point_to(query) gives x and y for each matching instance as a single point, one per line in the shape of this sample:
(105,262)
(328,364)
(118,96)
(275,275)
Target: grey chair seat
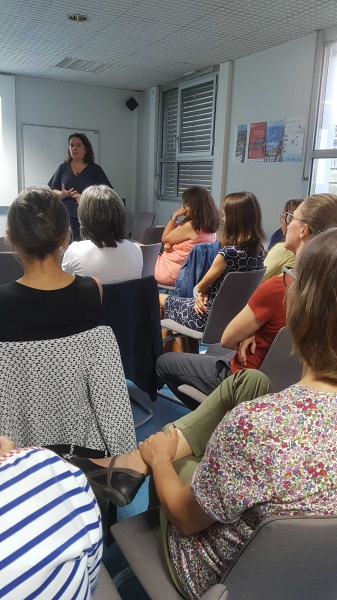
(140,541)
(286,558)
(106,589)
(232,296)
(281,365)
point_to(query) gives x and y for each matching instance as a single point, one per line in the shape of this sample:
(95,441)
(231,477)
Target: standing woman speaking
(76,173)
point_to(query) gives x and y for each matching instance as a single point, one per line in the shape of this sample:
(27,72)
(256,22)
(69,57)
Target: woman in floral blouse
(274,455)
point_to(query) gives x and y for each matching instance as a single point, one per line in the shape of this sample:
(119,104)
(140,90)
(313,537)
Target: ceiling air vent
(76,64)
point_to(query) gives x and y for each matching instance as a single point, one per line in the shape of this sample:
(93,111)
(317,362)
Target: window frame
(316,112)
(183,157)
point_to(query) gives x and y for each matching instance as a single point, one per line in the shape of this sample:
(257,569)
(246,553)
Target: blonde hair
(319,211)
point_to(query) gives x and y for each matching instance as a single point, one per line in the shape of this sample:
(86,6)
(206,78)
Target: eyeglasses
(290,216)
(289,276)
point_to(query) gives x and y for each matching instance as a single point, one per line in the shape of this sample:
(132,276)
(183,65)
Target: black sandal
(123,484)
(119,485)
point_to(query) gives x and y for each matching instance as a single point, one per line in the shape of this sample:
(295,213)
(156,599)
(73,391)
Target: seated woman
(50,525)
(279,257)
(252,331)
(246,471)
(47,311)
(241,250)
(199,225)
(46,302)
(104,251)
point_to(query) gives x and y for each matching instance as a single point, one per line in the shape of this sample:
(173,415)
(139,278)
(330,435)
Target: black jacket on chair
(131,308)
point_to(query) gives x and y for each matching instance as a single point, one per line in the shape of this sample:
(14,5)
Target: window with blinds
(188,114)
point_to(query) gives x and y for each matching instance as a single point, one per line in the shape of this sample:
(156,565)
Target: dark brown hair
(89,153)
(243,222)
(203,215)
(37,221)
(312,304)
(102,216)
(292,204)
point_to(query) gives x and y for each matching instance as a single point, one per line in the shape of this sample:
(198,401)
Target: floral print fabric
(274,455)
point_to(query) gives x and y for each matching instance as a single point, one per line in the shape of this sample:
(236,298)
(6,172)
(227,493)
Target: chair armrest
(217,592)
(192,392)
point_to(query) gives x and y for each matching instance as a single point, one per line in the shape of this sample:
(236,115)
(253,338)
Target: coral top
(169,263)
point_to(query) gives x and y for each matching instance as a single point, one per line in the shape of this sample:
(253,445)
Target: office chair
(150,255)
(232,296)
(10,267)
(286,557)
(142,221)
(131,309)
(281,365)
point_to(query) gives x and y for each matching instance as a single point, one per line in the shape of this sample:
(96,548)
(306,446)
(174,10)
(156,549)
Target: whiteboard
(45,148)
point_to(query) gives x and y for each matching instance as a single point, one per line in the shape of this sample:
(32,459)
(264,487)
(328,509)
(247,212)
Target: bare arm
(244,325)
(177,500)
(179,234)
(218,267)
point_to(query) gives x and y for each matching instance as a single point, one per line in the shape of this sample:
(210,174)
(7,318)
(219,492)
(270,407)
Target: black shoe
(123,485)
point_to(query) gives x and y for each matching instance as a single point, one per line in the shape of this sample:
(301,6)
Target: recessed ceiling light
(77,18)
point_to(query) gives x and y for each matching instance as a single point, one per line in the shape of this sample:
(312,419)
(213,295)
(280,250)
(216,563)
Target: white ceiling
(147,42)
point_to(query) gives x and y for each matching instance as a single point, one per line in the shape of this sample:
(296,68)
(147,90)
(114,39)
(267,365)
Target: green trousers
(198,427)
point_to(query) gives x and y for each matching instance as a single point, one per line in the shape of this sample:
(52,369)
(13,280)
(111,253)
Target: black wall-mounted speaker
(131,103)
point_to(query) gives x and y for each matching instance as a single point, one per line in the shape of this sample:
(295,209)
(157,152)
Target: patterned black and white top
(70,390)
(182,309)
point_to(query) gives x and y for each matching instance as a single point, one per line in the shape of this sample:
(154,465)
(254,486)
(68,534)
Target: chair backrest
(4,247)
(106,590)
(70,390)
(152,235)
(281,365)
(10,267)
(141,222)
(235,291)
(286,557)
(150,255)
(131,308)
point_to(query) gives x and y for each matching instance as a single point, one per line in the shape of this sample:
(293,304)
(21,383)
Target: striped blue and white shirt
(50,529)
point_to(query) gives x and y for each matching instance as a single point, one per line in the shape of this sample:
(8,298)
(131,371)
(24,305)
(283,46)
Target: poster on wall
(257,138)
(241,142)
(293,139)
(274,141)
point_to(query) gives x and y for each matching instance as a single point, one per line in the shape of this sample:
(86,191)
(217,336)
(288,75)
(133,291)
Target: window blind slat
(194,173)
(197,118)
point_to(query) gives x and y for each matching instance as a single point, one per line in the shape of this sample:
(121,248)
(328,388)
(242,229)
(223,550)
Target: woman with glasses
(314,215)
(246,471)
(200,223)
(278,256)
(253,330)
